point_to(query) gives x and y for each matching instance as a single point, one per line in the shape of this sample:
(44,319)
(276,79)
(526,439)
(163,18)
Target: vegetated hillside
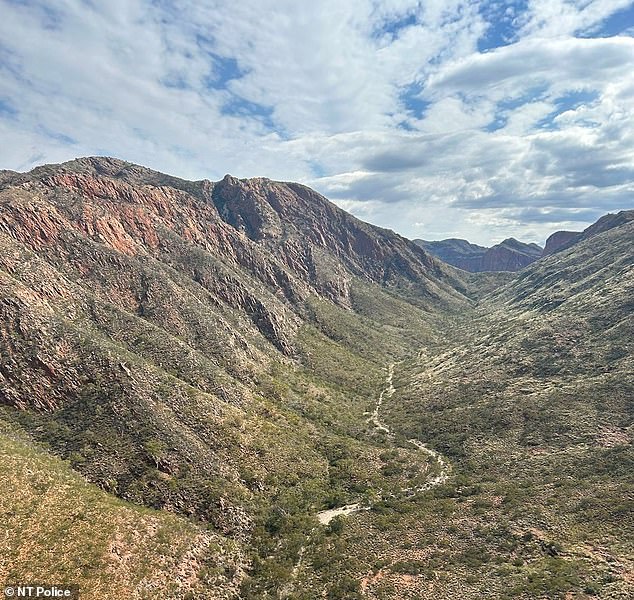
(210,349)
(242,355)
(532,402)
(66,530)
(509,255)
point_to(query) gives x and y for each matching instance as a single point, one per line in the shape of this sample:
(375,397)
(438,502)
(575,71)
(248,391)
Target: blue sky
(437,119)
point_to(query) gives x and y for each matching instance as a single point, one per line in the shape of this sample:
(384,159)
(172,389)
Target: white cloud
(511,71)
(553,18)
(387,106)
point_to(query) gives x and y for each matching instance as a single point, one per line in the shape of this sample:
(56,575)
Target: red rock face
(218,265)
(286,234)
(29,223)
(298,224)
(564,239)
(560,239)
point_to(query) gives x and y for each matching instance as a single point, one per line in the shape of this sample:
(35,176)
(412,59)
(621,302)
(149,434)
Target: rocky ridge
(560,240)
(509,255)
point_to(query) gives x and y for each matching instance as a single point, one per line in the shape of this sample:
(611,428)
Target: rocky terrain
(509,255)
(193,373)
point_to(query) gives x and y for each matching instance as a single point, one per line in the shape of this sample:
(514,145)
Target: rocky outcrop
(317,241)
(559,240)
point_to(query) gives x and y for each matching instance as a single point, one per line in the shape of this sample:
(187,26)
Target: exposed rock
(560,240)
(100,247)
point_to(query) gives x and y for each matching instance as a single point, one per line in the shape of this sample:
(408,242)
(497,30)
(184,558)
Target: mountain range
(198,380)
(509,255)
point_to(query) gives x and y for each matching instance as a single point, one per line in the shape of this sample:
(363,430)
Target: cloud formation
(449,118)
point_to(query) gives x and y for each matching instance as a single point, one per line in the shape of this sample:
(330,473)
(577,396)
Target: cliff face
(560,240)
(509,255)
(319,243)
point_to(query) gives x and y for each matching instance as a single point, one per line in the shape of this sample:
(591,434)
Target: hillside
(208,349)
(67,530)
(215,369)
(531,401)
(509,255)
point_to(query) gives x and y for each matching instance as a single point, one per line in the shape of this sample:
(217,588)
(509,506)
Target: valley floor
(441,467)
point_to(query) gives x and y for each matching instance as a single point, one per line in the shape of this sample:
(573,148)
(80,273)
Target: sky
(434,118)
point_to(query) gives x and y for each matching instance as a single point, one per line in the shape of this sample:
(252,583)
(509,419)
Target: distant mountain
(456,252)
(509,255)
(564,239)
(559,240)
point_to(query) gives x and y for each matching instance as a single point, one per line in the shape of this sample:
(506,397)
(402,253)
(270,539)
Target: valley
(269,398)
(325,516)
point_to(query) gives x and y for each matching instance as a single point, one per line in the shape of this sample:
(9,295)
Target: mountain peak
(560,240)
(508,255)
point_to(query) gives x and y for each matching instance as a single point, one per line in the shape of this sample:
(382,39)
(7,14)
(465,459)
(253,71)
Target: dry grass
(57,528)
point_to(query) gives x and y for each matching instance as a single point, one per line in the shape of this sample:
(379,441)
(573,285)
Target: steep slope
(509,255)
(237,220)
(532,402)
(607,222)
(206,348)
(224,268)
(72,532)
